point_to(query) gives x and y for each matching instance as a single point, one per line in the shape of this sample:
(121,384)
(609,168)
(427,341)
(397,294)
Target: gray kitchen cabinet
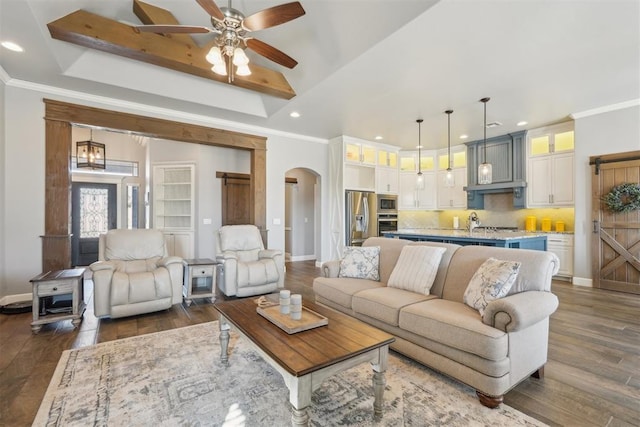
(506,155)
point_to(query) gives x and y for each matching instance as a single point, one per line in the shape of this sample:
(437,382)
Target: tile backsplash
(498,212)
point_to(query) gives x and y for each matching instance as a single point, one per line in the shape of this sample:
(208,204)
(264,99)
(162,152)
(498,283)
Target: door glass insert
(563,141)
(94,212)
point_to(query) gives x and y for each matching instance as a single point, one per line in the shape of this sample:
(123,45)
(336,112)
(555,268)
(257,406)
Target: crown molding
(153,111)
(4,76)
(605,109)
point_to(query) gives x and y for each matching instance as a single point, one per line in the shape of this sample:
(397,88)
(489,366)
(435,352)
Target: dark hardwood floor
(592,377)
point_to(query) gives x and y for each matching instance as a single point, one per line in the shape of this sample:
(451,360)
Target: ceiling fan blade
(273,16)
(212,9)
(173,29)
(271,53)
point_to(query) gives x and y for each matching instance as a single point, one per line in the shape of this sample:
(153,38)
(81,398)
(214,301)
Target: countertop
(476,234)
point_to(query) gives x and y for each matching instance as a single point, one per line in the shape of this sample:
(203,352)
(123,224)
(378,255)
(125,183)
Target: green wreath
(623,198)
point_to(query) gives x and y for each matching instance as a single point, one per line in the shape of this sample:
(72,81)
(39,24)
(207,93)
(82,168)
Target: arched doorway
(302,215)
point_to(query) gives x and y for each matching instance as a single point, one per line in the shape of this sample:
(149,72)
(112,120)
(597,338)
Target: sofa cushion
(341,290)
(360,263)
(385,303)
(456,325)
(416,268)
(535,274)
(389,253)
(491,281)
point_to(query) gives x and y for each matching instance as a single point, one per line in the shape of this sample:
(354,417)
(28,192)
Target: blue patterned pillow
(493,280)
(360,262)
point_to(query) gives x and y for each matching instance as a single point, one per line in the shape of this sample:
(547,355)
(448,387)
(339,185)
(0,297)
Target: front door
(616,235)
(93,212)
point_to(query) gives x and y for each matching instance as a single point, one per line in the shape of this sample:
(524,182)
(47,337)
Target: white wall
(3,205)
(23,200)
(207,160)
(283,154)
(24,192)
(607,133)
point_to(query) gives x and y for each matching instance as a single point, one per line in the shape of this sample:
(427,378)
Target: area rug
(175,378)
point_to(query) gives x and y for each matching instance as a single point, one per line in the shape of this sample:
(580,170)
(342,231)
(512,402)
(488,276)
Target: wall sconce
(90,154)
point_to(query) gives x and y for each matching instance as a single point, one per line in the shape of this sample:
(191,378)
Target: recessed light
(522,123)
(378,137)
(12,46)
(464,136)
(294,114)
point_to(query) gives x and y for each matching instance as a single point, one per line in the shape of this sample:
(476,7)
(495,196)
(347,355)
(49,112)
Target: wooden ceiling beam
(96,32)
(152,15)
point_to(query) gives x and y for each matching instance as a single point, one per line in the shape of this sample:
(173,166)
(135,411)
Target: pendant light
(485,173)
(420,177)
(449,180)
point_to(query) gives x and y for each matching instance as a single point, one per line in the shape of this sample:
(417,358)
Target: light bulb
(449,180)
(485,173)
(220,69)
(420,181)
(214,56)
(239,57)
(243,70)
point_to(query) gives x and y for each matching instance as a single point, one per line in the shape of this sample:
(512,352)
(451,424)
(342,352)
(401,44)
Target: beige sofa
(134,275)
(491,353)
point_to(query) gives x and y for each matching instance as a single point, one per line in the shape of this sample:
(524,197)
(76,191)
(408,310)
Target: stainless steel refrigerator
(360,217)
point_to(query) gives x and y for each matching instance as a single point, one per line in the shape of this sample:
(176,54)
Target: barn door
(236,198)
(616,235)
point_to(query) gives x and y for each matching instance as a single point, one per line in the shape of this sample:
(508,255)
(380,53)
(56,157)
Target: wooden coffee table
(305,359)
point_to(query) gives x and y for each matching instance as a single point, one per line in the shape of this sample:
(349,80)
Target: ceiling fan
(233,29)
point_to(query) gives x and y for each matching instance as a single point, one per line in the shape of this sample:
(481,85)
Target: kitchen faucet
(474,221)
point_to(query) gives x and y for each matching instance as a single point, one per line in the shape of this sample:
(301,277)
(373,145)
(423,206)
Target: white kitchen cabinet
(550,169)
(550,181)
(409,161)
(452,197)
(387,158)
(410,198)
(356,151)
(562,246)
(173,206)
(386,180)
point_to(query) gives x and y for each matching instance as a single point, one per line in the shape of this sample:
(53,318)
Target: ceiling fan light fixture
(240,58)
(220,69)
(243,70)
(214,56)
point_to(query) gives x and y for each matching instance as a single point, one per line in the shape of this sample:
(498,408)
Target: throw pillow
(491,281)
(360,262)
(416,268)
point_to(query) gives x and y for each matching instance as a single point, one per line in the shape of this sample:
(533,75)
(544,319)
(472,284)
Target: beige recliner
(247,267)
(134,275)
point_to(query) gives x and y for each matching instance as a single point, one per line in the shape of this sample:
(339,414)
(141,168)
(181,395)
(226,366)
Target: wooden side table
(58,295)
(199,279)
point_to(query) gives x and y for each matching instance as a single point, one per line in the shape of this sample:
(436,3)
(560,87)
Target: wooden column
(259,191)
(56,242)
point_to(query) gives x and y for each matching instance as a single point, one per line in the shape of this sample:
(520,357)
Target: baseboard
(303,258)
(10,299)
(582,281)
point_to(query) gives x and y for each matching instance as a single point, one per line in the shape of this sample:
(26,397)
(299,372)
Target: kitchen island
(502,239)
